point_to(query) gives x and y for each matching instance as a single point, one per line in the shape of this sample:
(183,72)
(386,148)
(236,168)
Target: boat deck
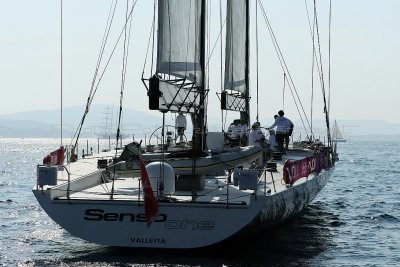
(217,189)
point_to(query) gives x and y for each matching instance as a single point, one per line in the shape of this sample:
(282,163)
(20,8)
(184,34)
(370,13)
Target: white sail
(236,38)
(337,134)
(236,81)
(179,39)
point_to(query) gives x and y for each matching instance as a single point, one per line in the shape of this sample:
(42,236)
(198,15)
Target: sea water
(354,221)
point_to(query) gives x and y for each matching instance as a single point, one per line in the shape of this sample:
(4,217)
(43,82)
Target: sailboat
(107,126)
(337,134)
(157,208)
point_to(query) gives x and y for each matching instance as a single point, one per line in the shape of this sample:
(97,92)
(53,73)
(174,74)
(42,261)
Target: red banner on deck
(150,202)
(294,170)
(55,158)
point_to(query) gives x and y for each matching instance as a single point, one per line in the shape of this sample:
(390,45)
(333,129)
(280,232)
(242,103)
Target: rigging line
(312,61)
(279,52)
(283,90)
(124,67)
(281,60)
(285,68)
(297,107)
(154,35)
(187,44)
(312,31)
(102,47)
(318,60)
(312,35)
(312,74)
(209,46)
(110,20)
(114,48)
(215,44)
(207,70)
(257,68)
(329,57)
(231,46)
(106,33)
(221,62)
(170,41)
(99,80)
(151,36)
(61,71)
(323,84)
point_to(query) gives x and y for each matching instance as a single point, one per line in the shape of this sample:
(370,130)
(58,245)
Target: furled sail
(236,56)
(179,73)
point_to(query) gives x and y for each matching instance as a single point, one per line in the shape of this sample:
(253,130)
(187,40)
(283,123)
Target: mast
(199,129)
(245,115)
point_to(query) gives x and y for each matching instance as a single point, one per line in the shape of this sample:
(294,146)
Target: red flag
(150,202)
(55,158)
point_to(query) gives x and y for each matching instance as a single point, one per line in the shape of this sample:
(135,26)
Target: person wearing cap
(243,133)
(180,124)
(272,140)
(283,126)
(256,138)
(234,131)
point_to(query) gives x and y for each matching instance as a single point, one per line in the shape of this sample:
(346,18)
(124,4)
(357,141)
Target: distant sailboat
(337,134)
(107,128)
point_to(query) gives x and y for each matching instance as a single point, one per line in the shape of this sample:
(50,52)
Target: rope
(285,69)
(322,77)
(91,94)
(61,72)
(151,37)
(312,31)
(94,89)
(257,68)
(329,57)
(123,76)
(222,60)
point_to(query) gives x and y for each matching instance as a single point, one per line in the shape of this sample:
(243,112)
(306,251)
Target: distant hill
(46,123)
(363,127)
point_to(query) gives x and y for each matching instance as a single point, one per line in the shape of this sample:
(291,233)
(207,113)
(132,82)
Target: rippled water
(355,221)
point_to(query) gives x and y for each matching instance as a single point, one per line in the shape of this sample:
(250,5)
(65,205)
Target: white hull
(219,212)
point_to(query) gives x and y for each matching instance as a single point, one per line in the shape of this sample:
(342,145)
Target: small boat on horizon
(337,134)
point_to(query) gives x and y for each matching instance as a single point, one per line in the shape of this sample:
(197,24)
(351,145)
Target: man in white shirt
(283,125)
(256,138)
(272,140)
(180,124)
(243,133)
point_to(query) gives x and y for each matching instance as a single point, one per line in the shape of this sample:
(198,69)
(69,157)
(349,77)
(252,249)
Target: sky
(365,57)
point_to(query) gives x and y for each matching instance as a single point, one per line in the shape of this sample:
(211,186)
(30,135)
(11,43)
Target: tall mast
(245,115)
(199,129)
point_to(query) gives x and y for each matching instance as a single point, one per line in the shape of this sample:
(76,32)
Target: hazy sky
(365,61)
